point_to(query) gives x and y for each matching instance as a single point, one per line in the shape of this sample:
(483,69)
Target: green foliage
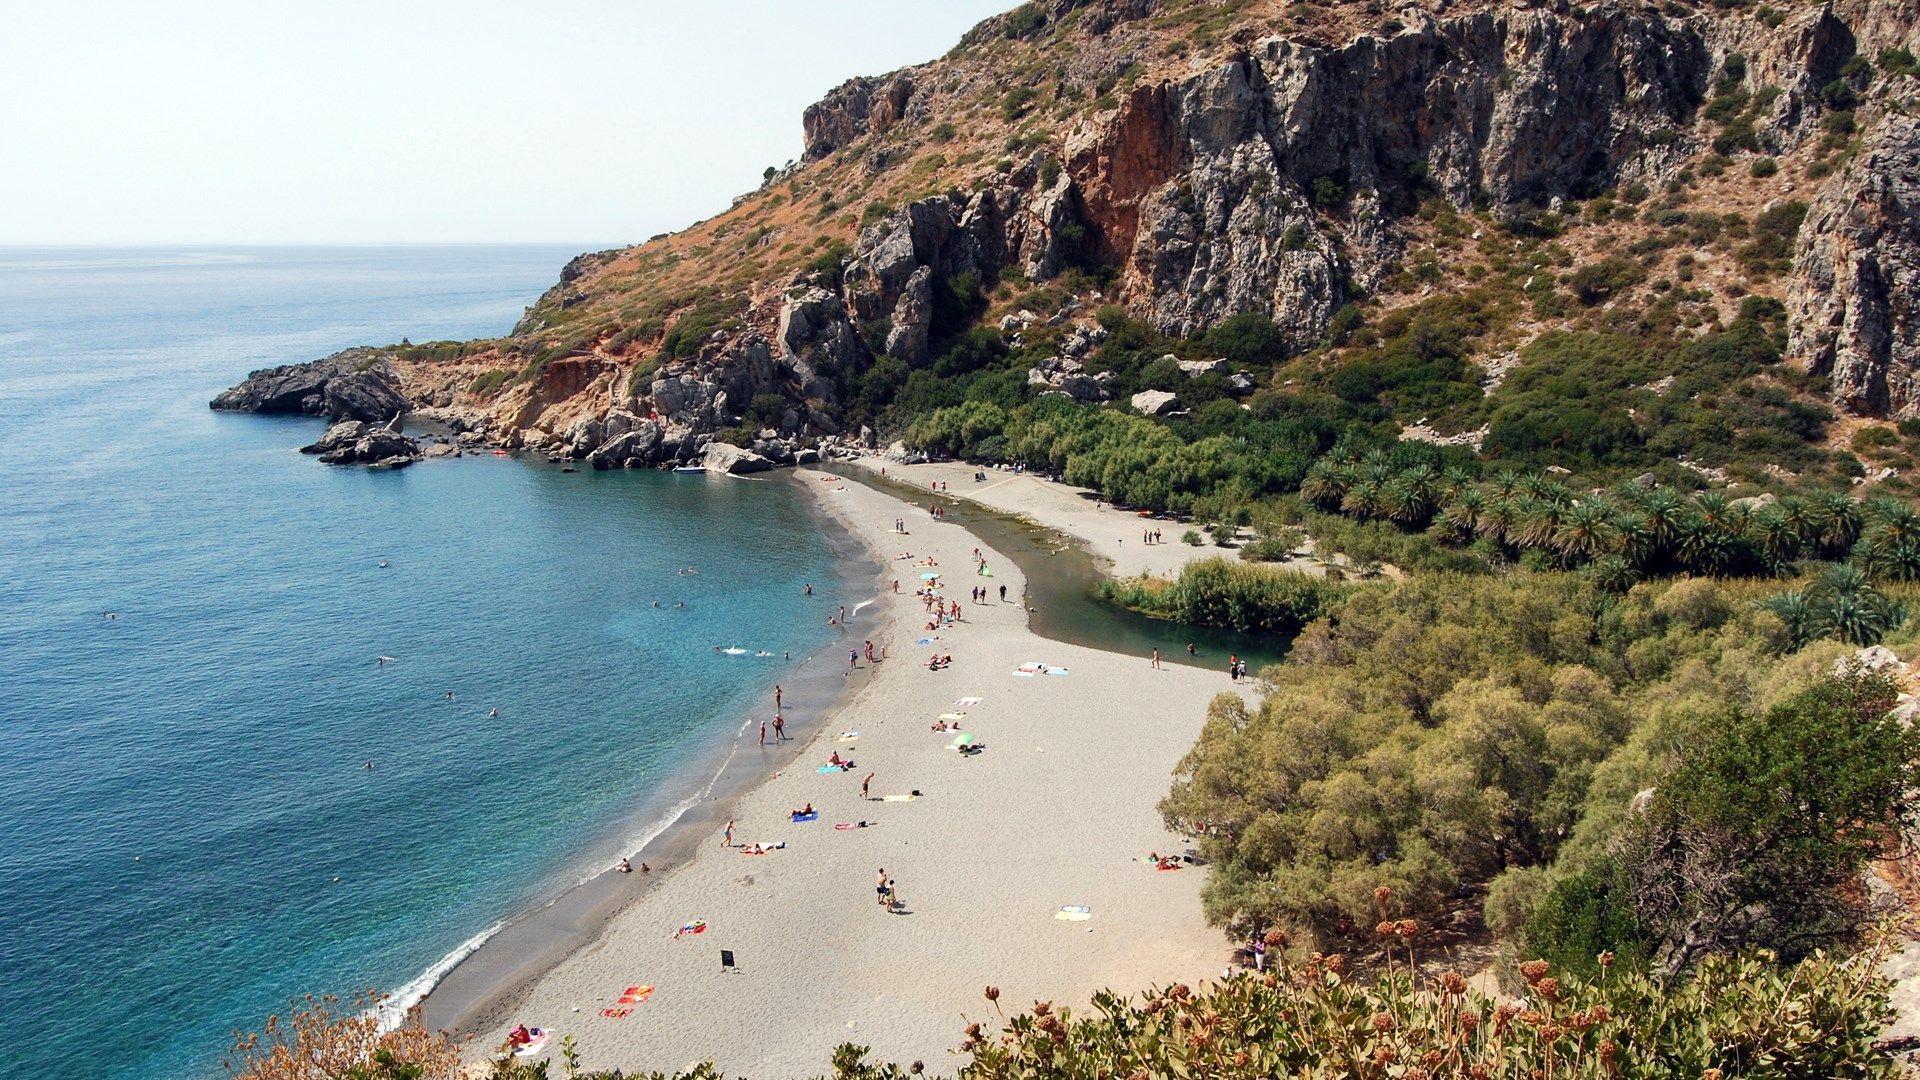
(1428,737)
(1771,248)
(1218,592)
(830,263)
(1328,192)
(1736,1017)
(1761,832)
(1599,282)
(1842,606)
(693,327)
(1016,102)
(1025,21)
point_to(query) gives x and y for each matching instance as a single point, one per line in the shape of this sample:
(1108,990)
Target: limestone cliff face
(1275,171)
(1855,299)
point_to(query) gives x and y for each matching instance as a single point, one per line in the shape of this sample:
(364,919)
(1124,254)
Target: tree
(1760,832)
(1889,544)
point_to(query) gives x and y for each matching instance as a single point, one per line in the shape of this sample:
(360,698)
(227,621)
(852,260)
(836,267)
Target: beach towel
(815,816)
(1074,913)
(535,1044)
(635,995)
(1175,866)
(834,768)
(929,577)
(967,702)
(615,1014)
(925,640)
(953,716)
(897,798)
(697,926)
(1056,671)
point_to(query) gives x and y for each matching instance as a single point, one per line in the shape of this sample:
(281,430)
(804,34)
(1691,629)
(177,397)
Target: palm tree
(1889,545)
(1498,518)
(1585,532)
(1460,521)
(1506,484)
(1537,522)
(1775,539)
(1634,543)
(1406,499)
(1453,481)
(1710,540)
(1325,484)
(1662,514)
(1836,522)
(1800,518)
(1613,573)
(1795,609)
(1363,500)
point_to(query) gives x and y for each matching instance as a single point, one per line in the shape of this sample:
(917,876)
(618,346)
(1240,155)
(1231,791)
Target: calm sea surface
(188,837)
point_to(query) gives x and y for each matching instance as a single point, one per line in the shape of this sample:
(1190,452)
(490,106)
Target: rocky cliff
(1193,161)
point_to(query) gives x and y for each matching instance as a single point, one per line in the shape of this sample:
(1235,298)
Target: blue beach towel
(815,816)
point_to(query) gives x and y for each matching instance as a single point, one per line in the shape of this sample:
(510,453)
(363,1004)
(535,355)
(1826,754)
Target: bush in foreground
(1735,1017)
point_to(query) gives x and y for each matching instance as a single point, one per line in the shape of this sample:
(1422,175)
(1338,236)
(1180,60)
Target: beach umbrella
(961,741)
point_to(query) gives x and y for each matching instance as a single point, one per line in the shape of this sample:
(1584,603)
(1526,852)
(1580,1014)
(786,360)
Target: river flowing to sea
(188,834)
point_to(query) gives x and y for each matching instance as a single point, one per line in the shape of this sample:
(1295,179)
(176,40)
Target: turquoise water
(187,835)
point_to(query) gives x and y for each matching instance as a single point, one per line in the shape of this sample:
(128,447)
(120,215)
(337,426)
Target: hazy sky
(266,121)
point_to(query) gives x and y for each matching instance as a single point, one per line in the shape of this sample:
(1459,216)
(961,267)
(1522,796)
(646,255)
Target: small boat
(689,468)
(499,453)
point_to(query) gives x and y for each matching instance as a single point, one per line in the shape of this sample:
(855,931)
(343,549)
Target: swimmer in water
(493,712)
(449,695)
(368,766)
(384,564)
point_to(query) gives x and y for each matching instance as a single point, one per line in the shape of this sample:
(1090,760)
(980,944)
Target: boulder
(1241,384)
(379,447)
(1195,368)
(1155,402)
(728,458)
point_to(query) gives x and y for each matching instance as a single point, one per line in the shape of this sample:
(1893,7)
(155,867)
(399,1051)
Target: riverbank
(1112,535)
(1056,811)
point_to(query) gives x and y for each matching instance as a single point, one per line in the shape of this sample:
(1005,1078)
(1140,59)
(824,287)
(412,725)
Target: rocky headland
(1196,161)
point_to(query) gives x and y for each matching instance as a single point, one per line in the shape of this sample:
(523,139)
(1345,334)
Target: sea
(214,796)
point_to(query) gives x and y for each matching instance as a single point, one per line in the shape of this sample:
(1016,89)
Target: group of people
(1236,668)
(1150,536)
(886,892)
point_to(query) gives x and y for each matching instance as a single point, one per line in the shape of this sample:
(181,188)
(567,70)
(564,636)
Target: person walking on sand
(880,887)
(763,733)
(1003,594)
(776,697)
(1233,668)
(779,728)
(1156,659)
(865,784)
(727,839)
(853,659)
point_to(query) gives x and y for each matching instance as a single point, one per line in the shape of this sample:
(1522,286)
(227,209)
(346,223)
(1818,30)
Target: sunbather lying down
(762,849)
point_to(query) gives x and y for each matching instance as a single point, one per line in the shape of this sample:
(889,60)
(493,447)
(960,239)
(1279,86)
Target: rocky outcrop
(355,442)
(728,458)
(1154,402)
(358,384)
(1855,298)
(1208,187)
(854,109)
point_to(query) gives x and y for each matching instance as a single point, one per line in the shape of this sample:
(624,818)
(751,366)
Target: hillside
(1605,238)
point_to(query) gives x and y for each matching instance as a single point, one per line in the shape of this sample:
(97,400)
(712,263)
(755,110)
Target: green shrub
(1218,592)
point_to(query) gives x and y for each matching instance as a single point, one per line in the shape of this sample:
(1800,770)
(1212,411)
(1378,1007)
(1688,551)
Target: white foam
(393,1011)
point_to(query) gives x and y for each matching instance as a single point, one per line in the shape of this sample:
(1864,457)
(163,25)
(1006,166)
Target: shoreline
(1149,926)
(485,973)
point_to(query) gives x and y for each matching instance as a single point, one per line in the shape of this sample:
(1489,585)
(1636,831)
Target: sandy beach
(1056,811)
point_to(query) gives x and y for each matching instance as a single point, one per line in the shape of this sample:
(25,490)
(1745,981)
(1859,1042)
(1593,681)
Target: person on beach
(776,697)
(853,659)
(865,785)
(1233,668)
(880,887)
(1003,594)
(843,613)
(896,585)
(727,840)
(1156,659)
(625,867)
(763,733)
(869,651)
(779,728)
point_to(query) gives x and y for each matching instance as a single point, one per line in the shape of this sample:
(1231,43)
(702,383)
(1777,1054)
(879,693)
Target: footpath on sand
(1010,801)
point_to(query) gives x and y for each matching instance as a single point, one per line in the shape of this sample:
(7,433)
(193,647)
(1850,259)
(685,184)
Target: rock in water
(358,384)
(728,458)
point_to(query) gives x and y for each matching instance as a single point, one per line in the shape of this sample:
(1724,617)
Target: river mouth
(1061,576)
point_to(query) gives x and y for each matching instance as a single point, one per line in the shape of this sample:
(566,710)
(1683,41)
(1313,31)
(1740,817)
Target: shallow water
(187,835)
